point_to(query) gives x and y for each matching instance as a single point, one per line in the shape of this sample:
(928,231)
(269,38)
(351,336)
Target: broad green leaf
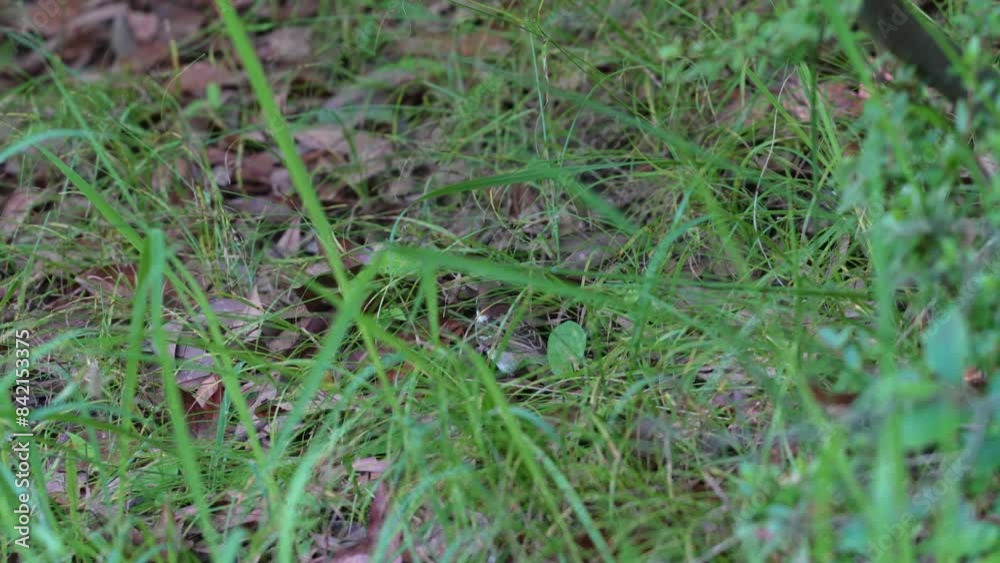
(566,347)
(929,424)
(946,346)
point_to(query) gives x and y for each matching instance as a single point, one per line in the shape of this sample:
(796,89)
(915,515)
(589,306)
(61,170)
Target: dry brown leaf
(483,42)
(383,79)
(281,182)
(145,26)
(589,250)
(371,465)
(298,314)
(284,342)
(369,153)
(988,164)
(263,208)
(195,78)
(324,137)
(286,45)
(290,242)
(189,378)
(975,378)
(93,19)
(17,208)
(240,509)
(256,167)
(50,18)
(179,21)
(201,409)
(146,56)
(298,10)
(373,157)
(55,486)
(218,155)
(377,513)
(400,189)
(474,44)
(357,554)
(236,315)
(117,280)
(846,101)
(208,390)
(435,545)
(515,201)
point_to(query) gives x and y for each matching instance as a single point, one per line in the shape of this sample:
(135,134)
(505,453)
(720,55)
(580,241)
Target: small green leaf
(946,346)
(566,347)
(213,95)
(975,536)
(929,424)
(395,264)
(84,450)
(987,461)
(835,339)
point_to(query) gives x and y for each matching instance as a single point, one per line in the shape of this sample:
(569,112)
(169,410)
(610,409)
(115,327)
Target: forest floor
(508,281)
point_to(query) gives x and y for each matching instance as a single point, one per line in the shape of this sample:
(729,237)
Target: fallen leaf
(49,18)
(263,208)
(975,378)
(355,93)
(17,208)
(145,26)
(92,378)
(324,137)
(476,44)
(202,409)
(123,42)
(368,154)
(146,57)
(847,101)
(256,167)
(286,45)
(195,78)
(299,10)
(188,377)
(590,250)
(236,315)
(93,19)
(377,512)
(372,157)
(370,465)
(116,280)
(290,242)
(480,42)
